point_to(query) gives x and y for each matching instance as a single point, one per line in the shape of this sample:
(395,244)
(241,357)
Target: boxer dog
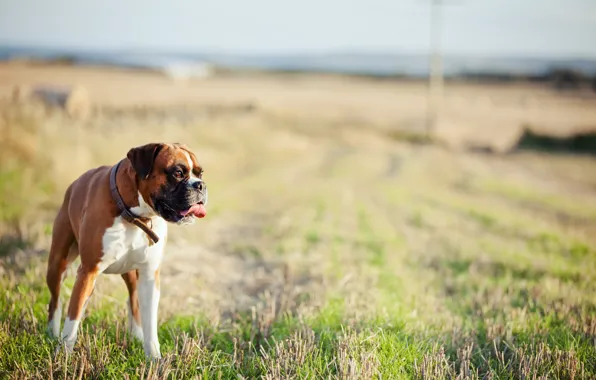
(116,218)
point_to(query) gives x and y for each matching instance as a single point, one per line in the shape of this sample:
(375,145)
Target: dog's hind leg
(82,290)
(62,252)
(134,314)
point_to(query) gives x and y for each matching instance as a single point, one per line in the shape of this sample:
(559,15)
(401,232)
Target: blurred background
(428,164)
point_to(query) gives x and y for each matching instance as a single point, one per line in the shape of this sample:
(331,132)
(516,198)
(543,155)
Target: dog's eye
(178,174)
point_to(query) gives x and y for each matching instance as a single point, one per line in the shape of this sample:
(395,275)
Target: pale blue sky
(560,28)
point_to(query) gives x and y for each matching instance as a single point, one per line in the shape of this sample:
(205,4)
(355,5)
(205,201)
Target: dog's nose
(199,185)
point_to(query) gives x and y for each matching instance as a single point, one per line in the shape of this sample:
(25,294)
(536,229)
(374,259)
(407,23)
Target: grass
(355,268)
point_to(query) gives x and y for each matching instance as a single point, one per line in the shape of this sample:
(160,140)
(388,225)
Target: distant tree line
(560,79)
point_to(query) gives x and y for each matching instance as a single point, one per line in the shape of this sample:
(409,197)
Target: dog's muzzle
(196,198)
(187,201)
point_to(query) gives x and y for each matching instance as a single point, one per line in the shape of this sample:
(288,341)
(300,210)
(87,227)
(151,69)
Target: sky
(521,28)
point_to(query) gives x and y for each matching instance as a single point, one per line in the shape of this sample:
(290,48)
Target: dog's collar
(125,212)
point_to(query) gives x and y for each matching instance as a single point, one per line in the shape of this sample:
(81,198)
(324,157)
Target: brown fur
(157,278)
(130,278)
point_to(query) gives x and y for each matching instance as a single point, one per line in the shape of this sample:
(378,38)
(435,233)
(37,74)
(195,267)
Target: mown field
(332,249)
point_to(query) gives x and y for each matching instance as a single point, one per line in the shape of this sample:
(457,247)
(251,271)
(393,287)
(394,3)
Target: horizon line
(363,51)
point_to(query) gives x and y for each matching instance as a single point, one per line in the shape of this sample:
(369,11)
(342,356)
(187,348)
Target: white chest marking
(143,209)
(126,247)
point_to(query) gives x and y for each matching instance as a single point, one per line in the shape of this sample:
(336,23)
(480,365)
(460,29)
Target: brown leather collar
(125,212)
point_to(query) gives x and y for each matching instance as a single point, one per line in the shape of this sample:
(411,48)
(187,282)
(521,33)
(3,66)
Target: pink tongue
(196,210)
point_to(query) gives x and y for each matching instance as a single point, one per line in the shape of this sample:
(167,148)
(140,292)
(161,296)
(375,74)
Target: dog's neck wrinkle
(126,181)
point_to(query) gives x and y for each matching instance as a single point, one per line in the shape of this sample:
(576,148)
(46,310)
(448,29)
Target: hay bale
(78,103)
(501,141)
(491,135)
(20,93)
(75,102)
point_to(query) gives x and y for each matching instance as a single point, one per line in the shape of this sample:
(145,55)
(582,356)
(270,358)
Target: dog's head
(170,180)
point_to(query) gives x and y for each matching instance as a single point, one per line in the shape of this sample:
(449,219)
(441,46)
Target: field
(335,246)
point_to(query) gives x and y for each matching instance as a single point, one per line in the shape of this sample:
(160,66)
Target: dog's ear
(143,157)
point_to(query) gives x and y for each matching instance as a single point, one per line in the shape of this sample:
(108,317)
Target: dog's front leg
(148,286)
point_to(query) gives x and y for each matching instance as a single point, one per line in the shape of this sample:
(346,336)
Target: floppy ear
(142,158)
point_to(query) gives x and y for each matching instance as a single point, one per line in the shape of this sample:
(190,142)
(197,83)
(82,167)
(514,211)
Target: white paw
(69,334)
(137,332)
(53,328)
(65,346)
(152,350)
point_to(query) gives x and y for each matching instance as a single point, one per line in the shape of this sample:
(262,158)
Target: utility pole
(435,78)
